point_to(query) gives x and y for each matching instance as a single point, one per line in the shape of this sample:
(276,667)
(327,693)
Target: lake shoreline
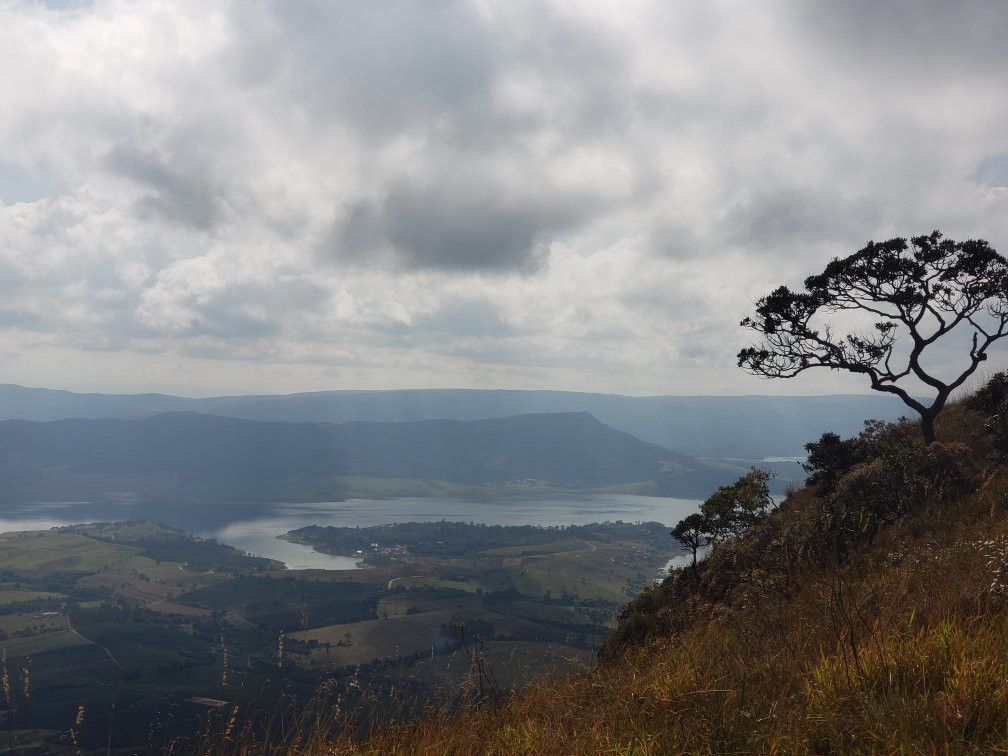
(254,527)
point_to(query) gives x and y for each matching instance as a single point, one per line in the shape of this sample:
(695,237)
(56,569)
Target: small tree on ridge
(727,513)
(691,532)
(924,289)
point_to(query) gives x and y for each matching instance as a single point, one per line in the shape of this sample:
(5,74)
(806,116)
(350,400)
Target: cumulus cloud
(583,196)
(375,69)
(168,189)
(444,225)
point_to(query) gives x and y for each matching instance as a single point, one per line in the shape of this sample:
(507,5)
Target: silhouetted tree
(925,289)
(691,532)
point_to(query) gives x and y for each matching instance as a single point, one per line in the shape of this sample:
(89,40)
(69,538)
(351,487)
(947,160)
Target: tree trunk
(927,428)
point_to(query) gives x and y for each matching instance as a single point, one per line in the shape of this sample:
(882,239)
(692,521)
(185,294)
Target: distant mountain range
(188,454)
(744,427)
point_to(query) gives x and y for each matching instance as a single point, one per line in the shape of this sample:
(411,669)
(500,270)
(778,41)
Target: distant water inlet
(256,528)
(683,561)
(261,538)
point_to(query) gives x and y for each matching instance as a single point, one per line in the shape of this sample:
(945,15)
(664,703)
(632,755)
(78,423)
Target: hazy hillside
(749,427)
(571,450)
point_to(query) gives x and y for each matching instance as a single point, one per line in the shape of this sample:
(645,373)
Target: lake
(254,527)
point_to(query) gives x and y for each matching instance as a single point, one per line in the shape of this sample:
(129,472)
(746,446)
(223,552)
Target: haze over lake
(254,527)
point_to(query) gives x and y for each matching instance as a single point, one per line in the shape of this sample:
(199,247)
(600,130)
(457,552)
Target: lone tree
(691,532)
(926,289)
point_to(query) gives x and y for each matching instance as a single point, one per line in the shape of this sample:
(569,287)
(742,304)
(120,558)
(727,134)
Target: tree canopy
(733,509)
(924,289)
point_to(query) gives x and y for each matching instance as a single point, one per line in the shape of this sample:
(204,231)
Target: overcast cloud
(230,197)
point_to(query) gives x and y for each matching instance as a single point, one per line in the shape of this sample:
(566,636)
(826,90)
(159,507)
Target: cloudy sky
(231,197)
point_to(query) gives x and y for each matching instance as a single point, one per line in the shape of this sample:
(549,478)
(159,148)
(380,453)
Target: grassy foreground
(871,618)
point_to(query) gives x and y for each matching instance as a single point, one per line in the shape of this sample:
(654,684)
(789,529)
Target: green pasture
(55,665)
(377,639)
(173,573)
(142,580)
(16,596)
(287,603)
(583,579)
(402,635)
(374,576)
(557,547)
(128,532)
(240,592)
(432,581)
(399,603)
(46,551)
(13,623)
(534,611)
(36,645)
(145,646)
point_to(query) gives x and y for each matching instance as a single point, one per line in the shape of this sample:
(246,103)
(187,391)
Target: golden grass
(920,664)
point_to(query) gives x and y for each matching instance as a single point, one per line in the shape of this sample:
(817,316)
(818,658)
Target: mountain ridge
(755,426)
(572,450)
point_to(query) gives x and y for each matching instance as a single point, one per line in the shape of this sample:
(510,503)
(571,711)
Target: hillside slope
(869,617)
(570,450)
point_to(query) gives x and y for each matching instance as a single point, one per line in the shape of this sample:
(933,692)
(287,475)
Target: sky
(271,197)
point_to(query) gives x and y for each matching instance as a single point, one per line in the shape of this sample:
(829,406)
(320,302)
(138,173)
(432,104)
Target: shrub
(828,459)
(992,400)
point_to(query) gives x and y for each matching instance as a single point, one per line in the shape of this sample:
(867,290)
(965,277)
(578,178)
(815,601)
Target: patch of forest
(445,538)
